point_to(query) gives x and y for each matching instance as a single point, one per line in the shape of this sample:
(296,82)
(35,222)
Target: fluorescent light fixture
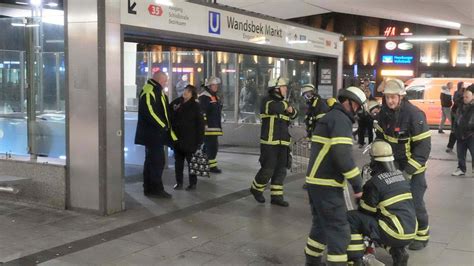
(62,157)
(396,73)
(164,2)
(21,3)
(426,39)
(36,2)
(298,42)
(52,4)
(32,25)
(17,24)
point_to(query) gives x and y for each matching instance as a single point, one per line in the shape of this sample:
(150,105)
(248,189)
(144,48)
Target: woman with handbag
(188,125)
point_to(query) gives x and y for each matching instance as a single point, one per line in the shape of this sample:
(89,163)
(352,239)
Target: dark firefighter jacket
(275,120)
(387,196)
(211,108)
(154,126)
(331,161)
(407,132)
(317,107)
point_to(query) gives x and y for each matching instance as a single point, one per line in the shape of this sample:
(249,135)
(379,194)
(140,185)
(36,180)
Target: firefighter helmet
(381,151)
(394,86)
(307,88)
(354,94)
(278,82)
(331,101)
(372,104)
(213,80)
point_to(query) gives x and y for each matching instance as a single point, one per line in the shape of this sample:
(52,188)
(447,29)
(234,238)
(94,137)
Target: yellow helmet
(331,101)
(278,82)
(381,151)
(394,86)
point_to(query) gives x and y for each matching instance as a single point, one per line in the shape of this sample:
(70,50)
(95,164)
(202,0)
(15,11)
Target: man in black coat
(464,131)
(188,124)
(154,131)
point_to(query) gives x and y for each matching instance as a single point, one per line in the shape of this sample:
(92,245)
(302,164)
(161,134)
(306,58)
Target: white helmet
(307,88)
(353,93)
(212,80)
(278,82)
(394,86)
(372,104)
(381,151)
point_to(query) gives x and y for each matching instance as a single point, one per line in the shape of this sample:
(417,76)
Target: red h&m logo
(390,31)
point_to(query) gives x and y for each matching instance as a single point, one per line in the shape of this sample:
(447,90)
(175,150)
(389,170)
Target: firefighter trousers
(211,146)
(365,225)
(330,227)
(418,189)
(273,161)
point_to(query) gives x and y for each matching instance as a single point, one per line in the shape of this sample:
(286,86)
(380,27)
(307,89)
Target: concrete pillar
(94,106)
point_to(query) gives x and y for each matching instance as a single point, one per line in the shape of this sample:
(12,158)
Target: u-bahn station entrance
(73,81)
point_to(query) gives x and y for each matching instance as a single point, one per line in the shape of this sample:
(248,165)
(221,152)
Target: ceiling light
(426,39)
(52,4)
(164,2)
(21,3)
(36,2)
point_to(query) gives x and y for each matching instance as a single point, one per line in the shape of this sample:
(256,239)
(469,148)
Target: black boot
(215,170)
(314,261)
(399,256)
(191,187)
(178,186)
(257,195)
(358,262)
(417,245)
(279,201)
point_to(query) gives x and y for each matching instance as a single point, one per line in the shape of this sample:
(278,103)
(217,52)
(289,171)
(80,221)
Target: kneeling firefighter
(386,213)
(276,114)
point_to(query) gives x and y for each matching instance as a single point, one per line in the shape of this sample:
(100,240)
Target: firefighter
(276,114)
(317,107)
(331,164)
(211,108)
(404,126)
(386,213)
(373,107)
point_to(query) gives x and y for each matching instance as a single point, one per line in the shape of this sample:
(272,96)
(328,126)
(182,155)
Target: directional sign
(131,7)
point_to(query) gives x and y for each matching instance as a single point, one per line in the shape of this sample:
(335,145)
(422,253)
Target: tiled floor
(233,230)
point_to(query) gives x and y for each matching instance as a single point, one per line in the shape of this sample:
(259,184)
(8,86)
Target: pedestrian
(154,131)
(331,164)
(457,100)
(464,130)
(211,108)
(189,127)
(275,139)
(446,103)
(404,126)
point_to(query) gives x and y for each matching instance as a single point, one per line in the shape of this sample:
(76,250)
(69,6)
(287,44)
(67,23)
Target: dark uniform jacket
(446,99)
(407,132)
(331,161)
(188,124)
(316,109)
(211,108)
(387,196)
(154,126)
(464,125)
(275,120)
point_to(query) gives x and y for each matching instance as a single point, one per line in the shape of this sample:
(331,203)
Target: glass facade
(244,82)
(32,74)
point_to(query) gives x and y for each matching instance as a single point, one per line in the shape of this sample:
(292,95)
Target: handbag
(199,164)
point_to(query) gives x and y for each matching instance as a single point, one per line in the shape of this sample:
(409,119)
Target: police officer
(386,213)
(276,114)
(211,108)
(154,130)
(404,126)
(316,107)
(331,164)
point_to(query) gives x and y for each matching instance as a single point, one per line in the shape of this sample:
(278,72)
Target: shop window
(416,93)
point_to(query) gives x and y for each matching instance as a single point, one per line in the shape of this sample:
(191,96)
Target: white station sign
(189,18)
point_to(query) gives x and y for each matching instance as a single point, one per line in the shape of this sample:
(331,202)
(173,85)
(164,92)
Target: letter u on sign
(214,22)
